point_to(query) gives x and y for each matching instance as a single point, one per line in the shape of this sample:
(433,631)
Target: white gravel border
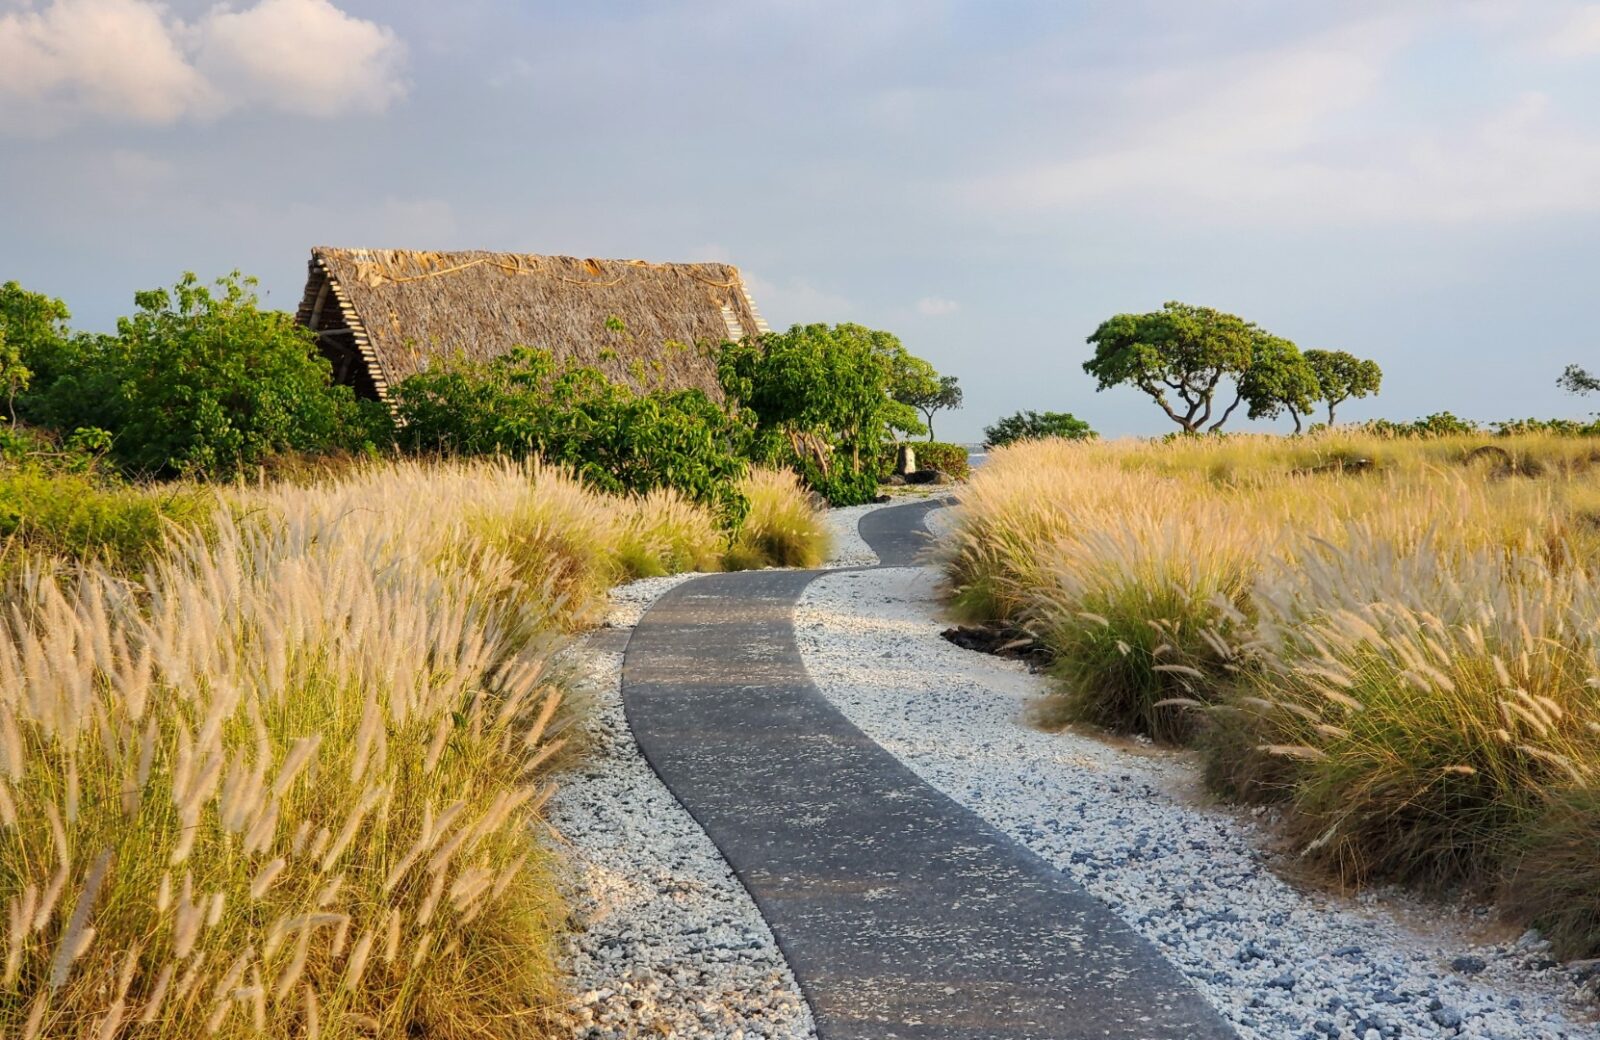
(1131,825)
(666,941)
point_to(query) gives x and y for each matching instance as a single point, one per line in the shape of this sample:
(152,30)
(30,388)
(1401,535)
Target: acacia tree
(1577,380)
(1279,379)
(1181,350)
(1341,376)
(924,389)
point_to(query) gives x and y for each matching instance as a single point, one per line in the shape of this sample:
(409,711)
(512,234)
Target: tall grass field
(1398,641)
(286,778)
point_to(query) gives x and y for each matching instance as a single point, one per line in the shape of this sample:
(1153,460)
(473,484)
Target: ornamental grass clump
(290,779)
(1139,612)
(1431,701)
(781,528)
(1397,640)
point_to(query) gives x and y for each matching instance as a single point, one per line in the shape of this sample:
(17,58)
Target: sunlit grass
(288,781)
(1397,640)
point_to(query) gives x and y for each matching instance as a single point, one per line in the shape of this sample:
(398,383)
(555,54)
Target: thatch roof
(384,314)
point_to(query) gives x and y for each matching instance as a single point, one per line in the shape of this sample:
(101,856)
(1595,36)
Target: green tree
(208,382)
(818,395)
(1577,380)
(1341,376)
(1278,380)
(13,373)
(921,387)
(32,325)
(1027,426)
(1181,350)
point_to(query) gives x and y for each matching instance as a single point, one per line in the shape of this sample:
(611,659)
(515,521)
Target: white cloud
(936,306)
(115,58)
(303,56)
(1290,137)
(1578,35)
(134,61)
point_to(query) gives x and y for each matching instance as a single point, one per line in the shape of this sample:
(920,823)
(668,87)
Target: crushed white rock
(666,942)
(1131,825)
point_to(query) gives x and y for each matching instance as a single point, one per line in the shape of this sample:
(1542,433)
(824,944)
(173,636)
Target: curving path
(903,914)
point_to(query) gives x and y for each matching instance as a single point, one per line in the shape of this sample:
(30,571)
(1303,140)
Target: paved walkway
(902,914)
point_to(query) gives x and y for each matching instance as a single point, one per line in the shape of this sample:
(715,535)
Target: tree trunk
(1296,416)
(928,415)
(1330,412)
(1218,424)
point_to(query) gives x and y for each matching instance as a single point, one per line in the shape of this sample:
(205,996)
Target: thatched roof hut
(381,315)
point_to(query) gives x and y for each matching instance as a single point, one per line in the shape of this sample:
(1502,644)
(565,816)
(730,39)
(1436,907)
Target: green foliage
(1194,353)
(1279,380)
(210,383)
(613,437)
(1556,427)
(946,458)
(1439,424)
(1577,380)
(1183,349)
(30,325)
(817,398)
(1341,376)
(1031,426)
(197,381)
(78,516)
(919,386)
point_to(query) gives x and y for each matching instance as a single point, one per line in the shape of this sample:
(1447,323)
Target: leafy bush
(1556,427)
(198,382)
(947,458)
(616,439)
(80,517)
(1027,426)
(1439,424)
(817,399)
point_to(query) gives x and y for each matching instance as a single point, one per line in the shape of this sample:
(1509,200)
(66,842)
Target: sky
(1416,182)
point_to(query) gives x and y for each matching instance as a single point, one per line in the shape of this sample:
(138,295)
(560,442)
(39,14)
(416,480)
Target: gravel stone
(1132,824)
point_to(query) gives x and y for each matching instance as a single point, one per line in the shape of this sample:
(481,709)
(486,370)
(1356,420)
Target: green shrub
(1439,424)
(817,399)
(197,382)
(1029,426)
(81,517)
(1558,427)
(615,438)
(947,458)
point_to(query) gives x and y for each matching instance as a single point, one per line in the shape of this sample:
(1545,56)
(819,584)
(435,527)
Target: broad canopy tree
(919,386)
(1191,359)
(1341,376)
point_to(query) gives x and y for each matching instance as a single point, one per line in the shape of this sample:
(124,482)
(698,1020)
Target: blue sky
(1418,183)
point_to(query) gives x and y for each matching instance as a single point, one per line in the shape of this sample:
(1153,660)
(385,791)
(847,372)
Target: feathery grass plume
(1398,640)
(781,527)
(305,750)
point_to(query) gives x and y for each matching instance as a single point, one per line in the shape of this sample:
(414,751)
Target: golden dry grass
(288,783)
(1399,640)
